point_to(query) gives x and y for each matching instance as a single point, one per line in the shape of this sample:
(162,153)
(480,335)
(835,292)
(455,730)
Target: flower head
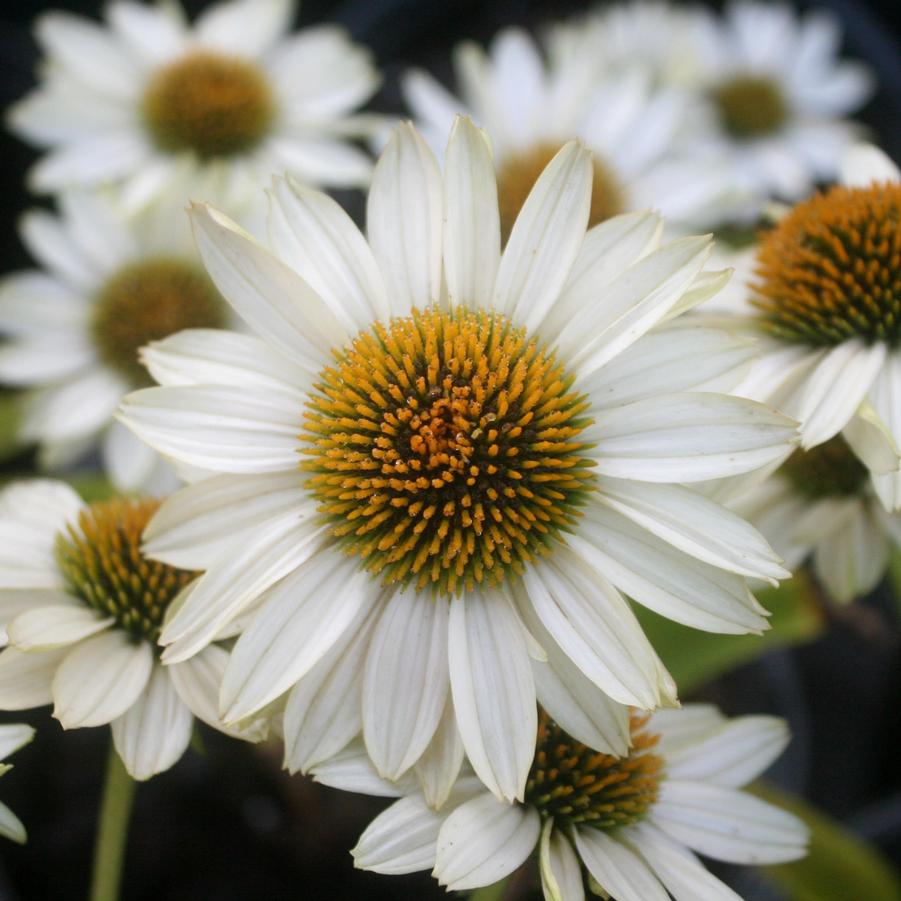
(235,95)
(531,97)
(823,297)
(821,507)
(109,283)
(82,608)
(439,465)
(631,822)
(774,96)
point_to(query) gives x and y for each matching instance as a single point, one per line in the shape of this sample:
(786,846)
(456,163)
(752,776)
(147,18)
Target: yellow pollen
(750,106)
(445,449)
(831,269)
(576,785)
(147,301)
(210,104)
(518,173)
(102,564)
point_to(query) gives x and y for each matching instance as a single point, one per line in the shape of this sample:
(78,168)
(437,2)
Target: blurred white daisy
(110,283)
(778,96)
(823,298)
(820,506)
(531,99)
(12,737)
(438,461)
(81,608)
(633,823)
(129,100)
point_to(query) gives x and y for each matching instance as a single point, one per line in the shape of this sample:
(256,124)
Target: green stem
(112,830)
(490,892)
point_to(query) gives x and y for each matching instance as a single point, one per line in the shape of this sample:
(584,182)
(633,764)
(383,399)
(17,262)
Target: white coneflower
(631,822)
(82,608)
(12,737)
(438,461)
(532,98)
(821,506)
(130,100)
(823,298)
(110,283)
(777,96)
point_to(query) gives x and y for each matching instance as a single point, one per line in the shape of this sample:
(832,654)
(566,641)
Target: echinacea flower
(532,98)
(110,283)
(12,737)
(438,462)
(128,101)
(634,823)
(81,608)
(820,506)
(777,96)
(823,299)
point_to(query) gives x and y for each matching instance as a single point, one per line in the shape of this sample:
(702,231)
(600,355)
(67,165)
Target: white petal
(864,164)
(99,679)
(277,548)
(219,428)
(483,841)
(324,713)
(272,298)
(688,437)
(220,357)
(584,711)
(152,33)
(632,304)
(155,731)
(44,505)
(617,869)
(668,360)
(835,389)
(54,627)
(401,839)
(300,621)
(664,579)
(472,242)
(546,238)
(244,27)
(676,867)
(351,770)
(439,766)
(404,219)
(594,626)
(314,236)
(685,726)
(732,754)
(130,463)
(493,690)
(25,679)
(697,526)
(406,680)
(561,874)
(11,826)
(14,736)
(201,523)
(728,825)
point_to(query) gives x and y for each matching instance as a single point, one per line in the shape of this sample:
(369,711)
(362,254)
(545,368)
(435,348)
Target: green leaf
(839,867)
(694,657)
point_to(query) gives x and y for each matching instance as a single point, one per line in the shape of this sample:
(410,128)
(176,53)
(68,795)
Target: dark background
(226,824)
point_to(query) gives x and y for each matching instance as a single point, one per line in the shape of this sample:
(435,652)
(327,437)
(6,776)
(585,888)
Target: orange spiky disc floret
(831,269)
(445,449)
(102,564)
(576,785)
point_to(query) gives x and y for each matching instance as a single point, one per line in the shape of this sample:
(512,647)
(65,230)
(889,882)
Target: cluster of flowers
(426,470)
